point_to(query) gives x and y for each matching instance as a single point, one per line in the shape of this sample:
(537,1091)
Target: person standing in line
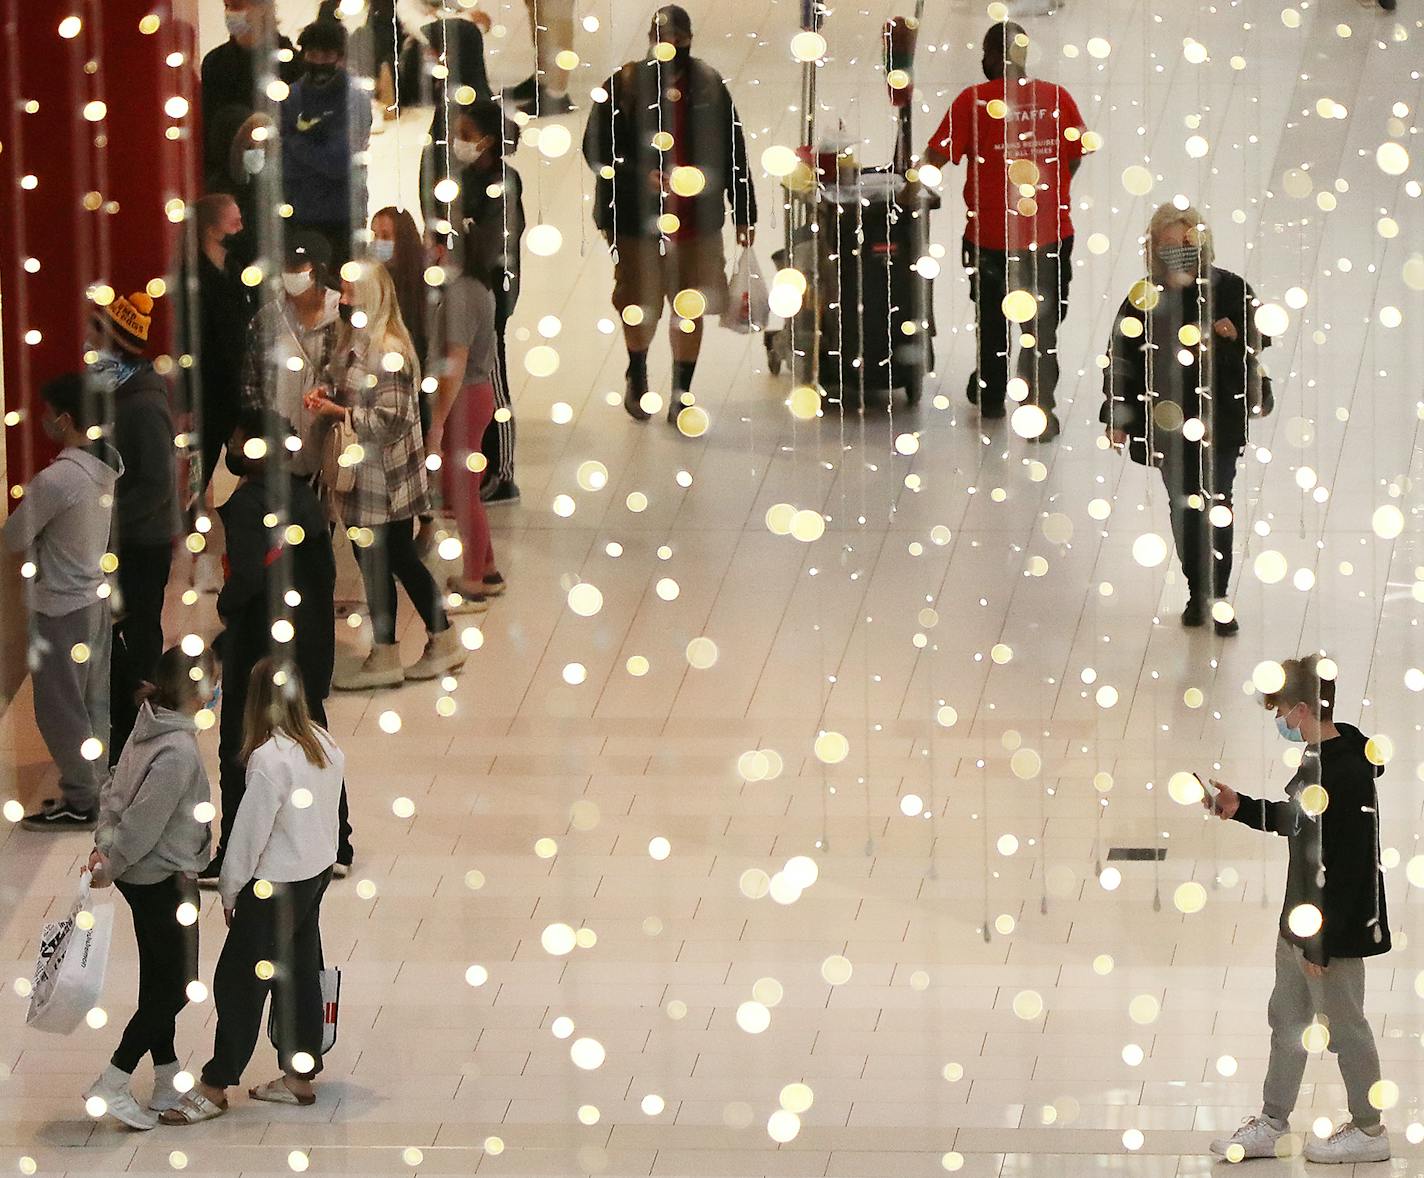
(492,197)
(229,74)
(224,315)
(462,359)
(545,92)
(1333,916)
(1188,419)
(1023,140)
(145,498)
(325,130)
(379,404)
(150,845)
(284,839)
(62,525)
(642,179)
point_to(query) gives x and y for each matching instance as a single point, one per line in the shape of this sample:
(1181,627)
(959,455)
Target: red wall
(138,167)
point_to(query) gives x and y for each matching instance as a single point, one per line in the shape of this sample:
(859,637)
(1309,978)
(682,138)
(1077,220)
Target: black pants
(498,443)
(1203,548)
(167,962)
(1046,272)
(344,851)
(391,557)
(138,634)
(284,930)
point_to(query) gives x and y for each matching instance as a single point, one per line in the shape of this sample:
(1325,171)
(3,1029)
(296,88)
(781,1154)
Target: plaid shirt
(385,414)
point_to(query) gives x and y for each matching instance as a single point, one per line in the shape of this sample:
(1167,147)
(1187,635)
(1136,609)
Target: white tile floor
(823,636)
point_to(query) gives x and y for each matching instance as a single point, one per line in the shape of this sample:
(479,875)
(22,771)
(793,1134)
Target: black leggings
(391,557)
(167,962)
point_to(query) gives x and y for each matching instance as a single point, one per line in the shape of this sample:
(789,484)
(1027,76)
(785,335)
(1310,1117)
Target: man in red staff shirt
(1023,140)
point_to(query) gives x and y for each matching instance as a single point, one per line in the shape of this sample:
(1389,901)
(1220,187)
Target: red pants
(464,430)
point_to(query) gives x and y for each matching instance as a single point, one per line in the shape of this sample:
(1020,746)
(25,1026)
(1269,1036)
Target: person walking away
(230,73)
(284,839)
(462,359)
(1023,142)
(145,498)
(290,346)
(379,405)
(1333,917)
(62,526)
(545,92)
(1189,420)
(266,561)
(642,179)
(224,316)
(492,197)
(151,844)
(325,132)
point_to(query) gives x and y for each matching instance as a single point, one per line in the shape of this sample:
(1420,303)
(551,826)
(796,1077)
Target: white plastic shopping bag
(69,973)
(748,304)
(330,1011)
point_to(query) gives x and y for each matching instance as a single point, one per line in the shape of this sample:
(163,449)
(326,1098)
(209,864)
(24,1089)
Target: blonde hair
(277,703)
(375,294)
(1198,233)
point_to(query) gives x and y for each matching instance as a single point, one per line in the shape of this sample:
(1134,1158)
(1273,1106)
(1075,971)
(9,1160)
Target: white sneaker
(1348,1144)
(1256,1138)
(109,1095)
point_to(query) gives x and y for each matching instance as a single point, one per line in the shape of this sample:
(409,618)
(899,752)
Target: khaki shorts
(644,277)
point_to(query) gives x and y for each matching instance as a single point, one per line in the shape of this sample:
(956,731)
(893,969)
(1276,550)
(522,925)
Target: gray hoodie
(146,823)
(64,520)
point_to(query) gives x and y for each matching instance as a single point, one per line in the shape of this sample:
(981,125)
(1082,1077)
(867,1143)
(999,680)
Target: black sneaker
(500,491)
(632,396)
(1227,629)
(1052,428)
(971,390)
(523,92)
(61,816)
(1195,614)
(1387,5)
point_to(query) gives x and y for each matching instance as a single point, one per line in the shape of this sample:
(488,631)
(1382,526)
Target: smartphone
(1208,789)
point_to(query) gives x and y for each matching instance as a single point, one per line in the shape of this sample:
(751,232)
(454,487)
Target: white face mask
(237,23)
(298,283)
(383,251)
(254,159)
(464,151)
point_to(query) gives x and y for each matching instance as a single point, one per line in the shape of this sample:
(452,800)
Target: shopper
(1188,329)
(462,359)
(1333,916)
(231,74)
(492,196)
(396,243)
(545,92)
(284,840)
(291,344)
(62,526)
(379,405)
(325,132)
(224,316)
(1022,141)
(640,182)
(151,844)
(145,498)
(268,562)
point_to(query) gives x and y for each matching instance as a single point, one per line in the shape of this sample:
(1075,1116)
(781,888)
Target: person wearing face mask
(325,130)
(263,563)
(1333,915)
(150,844)
(1184,378)
(230,74)
(397,245)
(291,343)
(61,525)
(639,183)
(146,502)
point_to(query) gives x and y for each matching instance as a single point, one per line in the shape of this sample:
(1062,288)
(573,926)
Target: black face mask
(681,55)
(321,75)
(235,462)
(345,310)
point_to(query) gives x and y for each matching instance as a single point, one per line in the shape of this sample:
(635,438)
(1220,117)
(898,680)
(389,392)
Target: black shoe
(61,816)
(992,412)
(1387,5)
(1227,629)
(523,92)
(1052,428)
(675,406)
(1195,614)
(631,398)
(500,491)
(971,390)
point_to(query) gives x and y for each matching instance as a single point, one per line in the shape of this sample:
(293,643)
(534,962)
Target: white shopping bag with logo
(748,305)
(330,1011)
(69,973)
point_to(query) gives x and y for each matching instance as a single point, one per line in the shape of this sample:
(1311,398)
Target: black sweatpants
(498,442)
(391,556)
(138,634)
(284,930)
(1203,549)
(167,962)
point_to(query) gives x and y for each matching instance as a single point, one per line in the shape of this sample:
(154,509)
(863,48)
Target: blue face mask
(382,250)
(212,703)
(110,370)
(1291,734)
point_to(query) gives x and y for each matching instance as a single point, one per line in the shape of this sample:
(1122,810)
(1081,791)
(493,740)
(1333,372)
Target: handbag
(330,1009)
(73,957)
(336,441)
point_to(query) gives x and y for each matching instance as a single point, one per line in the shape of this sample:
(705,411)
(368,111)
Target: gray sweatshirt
(64,520)
(146,823)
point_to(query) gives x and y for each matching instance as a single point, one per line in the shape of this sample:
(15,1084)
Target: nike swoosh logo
(306,124)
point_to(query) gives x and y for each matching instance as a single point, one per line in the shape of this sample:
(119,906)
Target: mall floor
(962,895)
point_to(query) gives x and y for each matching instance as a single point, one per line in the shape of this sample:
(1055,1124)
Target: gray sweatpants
(72,699)
(1339,999)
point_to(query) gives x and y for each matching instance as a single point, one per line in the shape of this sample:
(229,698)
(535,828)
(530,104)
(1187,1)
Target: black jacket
(1334,858)
(225,310)
(644,99)
(146,495)
(1148,393)
(497,221)
(228,75)
(463,47)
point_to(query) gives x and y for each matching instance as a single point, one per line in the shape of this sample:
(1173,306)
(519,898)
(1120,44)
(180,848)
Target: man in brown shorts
(667,147)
